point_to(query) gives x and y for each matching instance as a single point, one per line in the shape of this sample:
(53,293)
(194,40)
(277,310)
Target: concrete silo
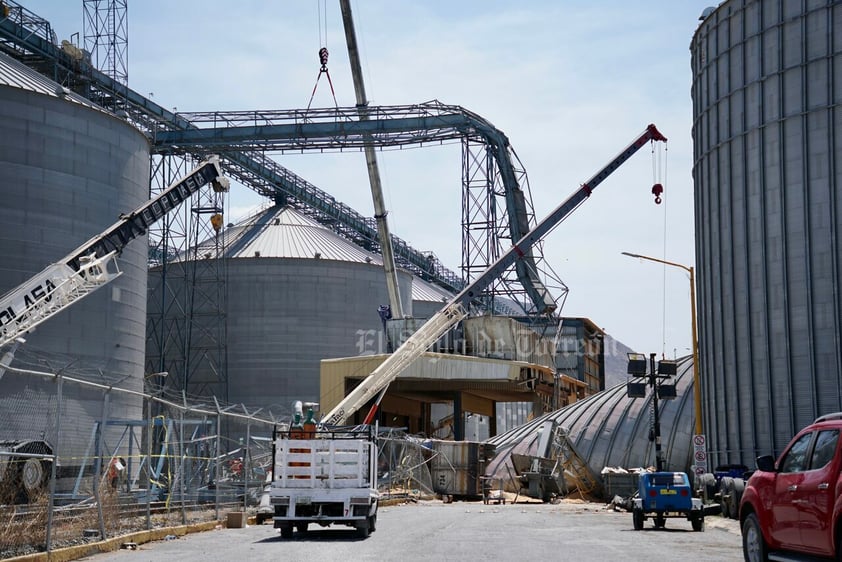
(67,170)
(768,200)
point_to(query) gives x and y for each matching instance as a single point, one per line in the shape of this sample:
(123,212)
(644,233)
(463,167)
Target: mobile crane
(457,308)
(330,476)
(94,263)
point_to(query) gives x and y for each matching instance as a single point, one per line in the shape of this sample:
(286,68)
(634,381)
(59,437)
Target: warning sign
(700,454)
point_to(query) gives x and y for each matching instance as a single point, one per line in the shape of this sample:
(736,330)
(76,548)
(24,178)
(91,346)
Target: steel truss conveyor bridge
(242,139)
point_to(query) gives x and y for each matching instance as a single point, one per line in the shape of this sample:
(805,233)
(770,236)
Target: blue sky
(570,83)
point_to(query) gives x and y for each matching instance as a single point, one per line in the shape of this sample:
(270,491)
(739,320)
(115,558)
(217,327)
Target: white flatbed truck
(329,477)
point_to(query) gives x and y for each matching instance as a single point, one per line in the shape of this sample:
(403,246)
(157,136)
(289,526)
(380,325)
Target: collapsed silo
(68,170)
(768,220)
(295,293)
(608,429)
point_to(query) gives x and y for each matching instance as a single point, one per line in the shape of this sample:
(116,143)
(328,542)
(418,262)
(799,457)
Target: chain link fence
(86,456)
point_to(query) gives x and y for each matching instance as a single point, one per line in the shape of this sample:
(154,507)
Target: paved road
(462,531)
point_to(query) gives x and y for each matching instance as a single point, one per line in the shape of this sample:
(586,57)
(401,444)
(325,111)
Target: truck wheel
(739,487)
(363,530)
(707,487)
(725,495)
(637,518)
(733,501)
(33,477)
(660,521)
(698,522)
(301,527)
(372,523)
(286,532)
(754,547)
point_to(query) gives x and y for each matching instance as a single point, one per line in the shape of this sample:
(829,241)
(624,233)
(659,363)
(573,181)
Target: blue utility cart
(663,495)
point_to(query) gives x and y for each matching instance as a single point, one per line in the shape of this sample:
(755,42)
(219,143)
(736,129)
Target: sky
(571,83)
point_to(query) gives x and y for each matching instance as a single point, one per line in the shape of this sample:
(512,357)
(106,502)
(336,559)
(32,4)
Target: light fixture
(666,391)
(637,364)
(636,389)
(667,367)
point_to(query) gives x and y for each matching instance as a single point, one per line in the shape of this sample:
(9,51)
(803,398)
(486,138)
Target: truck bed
(328,479)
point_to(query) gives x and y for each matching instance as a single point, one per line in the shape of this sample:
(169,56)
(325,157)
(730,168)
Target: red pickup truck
(794,505)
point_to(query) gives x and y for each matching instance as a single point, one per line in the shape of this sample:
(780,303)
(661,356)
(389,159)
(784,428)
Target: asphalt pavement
(432,530)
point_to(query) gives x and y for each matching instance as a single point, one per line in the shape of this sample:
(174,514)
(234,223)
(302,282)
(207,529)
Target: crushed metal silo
(768,220)
(68,169)
(427,298)
(295,293)
(607,429)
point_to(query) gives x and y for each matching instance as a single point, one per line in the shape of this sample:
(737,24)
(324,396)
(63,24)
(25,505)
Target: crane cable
(659,179)
(323,55)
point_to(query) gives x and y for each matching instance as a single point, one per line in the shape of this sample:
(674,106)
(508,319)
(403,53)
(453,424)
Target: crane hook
(323,58)
(657,190)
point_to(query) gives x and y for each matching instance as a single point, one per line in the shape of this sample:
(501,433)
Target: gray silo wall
(285,315)
(426,309)
(66,173)
(767,150)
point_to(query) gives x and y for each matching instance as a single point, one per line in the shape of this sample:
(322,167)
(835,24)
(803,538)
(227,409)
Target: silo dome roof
(283,232)
(17,75)
(428,292)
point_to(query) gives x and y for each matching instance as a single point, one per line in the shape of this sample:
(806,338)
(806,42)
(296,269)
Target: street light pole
(697,385)
(656,430)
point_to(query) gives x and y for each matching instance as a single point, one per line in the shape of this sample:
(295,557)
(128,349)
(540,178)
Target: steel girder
(420,124)
(341,129)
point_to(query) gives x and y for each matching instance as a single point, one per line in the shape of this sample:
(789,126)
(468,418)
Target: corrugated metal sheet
(499,337)
(611,429)
(767,157)
(423,291)
(18,75)
(283,232)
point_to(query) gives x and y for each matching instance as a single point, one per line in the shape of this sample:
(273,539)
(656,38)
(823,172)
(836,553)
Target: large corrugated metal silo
(767,170)
(296,293)
(67,170)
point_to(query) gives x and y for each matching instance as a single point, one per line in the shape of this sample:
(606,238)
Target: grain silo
(768,220)
(68,169)
(296,293)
